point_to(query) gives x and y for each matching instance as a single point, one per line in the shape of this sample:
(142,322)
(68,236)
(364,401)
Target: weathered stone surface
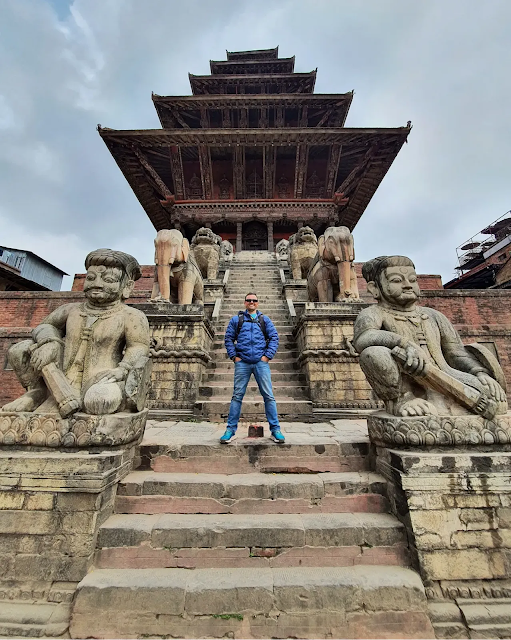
(404,352)
(206,251)
(90,356)
(302,250)
(444,431)
(256,603)
(333,276)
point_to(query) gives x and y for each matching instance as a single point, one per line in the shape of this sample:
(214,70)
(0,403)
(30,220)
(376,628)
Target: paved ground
(181,432)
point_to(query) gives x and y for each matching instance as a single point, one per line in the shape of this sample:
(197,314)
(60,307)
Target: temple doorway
(255,236)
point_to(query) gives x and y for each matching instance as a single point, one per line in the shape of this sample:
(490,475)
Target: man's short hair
(251,293)
(372,269)
(111,258)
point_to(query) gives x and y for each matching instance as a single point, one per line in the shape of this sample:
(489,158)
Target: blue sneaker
(277,436)
(228,435)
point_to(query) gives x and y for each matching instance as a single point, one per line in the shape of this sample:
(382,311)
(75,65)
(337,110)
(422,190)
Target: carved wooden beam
(239,171)
(204,120)
(263,118)
(325,117)
(304,116)
(206,172)
(302,153)
(279,117)
(176,164)
(269,171)
(226,118)
(161,186)
(332,168)
(243,123)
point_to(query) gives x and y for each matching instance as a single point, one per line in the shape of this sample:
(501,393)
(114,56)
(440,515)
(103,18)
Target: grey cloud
(69,65)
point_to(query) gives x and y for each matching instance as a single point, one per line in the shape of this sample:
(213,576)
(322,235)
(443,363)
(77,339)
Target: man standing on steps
(251,341)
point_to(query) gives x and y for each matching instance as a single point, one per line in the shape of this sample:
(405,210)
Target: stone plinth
(323,333)
(438,431)
(181,341)
(52,503)
(79,430)
(456,506)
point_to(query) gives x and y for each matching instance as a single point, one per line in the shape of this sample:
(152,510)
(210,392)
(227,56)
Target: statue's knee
(376,358)
(18,355)
(103,398)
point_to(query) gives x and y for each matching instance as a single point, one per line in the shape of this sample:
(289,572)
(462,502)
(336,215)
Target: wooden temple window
(253,118)
(215,118)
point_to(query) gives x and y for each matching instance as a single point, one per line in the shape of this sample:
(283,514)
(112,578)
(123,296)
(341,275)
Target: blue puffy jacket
(251,344)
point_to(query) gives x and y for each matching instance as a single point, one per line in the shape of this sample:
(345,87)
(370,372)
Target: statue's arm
(53,327)
(453,349)
(137,336)
(368,332)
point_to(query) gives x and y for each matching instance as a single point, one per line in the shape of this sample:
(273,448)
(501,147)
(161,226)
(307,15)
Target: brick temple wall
(479,315)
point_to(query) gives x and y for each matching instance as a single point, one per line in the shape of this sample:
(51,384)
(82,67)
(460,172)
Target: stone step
(169,453)
(282,362)
(152,493)
(219,389)
(238,540)
(351,602)
(287,408)
(220,374)
(33,619)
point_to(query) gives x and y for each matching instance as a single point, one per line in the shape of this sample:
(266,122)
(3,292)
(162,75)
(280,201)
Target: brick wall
(479,316)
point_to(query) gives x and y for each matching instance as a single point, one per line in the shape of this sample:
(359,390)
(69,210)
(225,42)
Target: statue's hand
(493,388)
(43,355)
(113,375)
(415,361)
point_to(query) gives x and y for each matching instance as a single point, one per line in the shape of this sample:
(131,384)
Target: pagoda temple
(254,154)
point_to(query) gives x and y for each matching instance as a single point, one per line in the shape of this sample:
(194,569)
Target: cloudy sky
(68,65)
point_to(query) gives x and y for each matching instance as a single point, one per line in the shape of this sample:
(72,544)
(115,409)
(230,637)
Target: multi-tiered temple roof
(254,144)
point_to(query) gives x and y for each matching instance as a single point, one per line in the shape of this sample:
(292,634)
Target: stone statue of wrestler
(81,357)
(413,357)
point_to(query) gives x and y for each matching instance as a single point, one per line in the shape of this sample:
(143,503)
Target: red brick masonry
(479,315)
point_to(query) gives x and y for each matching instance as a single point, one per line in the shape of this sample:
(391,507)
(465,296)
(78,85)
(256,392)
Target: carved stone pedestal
(181,340)
(52,502)
(456,506)
(323,334)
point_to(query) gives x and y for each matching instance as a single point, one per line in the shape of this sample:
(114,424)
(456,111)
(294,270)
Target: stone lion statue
(282,249)
(206,251)
(226,251)
(303,249)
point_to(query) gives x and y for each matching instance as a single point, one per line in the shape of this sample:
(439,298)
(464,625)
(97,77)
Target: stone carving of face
(399,287)
(307,235)
(104,285)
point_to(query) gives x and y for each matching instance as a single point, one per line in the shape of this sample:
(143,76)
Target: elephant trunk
(343,268)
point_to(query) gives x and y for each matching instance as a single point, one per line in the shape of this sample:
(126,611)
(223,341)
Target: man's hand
(265,359)
(492,387)
(113,375)
(415,361)
(43,355)
(237,359)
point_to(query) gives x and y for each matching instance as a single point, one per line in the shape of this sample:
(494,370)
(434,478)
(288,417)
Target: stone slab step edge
(193,531)
(152,493)
(358,602)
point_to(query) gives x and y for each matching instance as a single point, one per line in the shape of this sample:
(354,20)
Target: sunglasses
(251,300)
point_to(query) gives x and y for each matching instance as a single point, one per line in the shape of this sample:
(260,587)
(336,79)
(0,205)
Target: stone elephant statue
(303,249)
(206,251)
(332,276)
(176,273)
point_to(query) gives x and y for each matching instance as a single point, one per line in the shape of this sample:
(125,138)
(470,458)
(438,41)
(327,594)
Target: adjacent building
(254,154)
(484,261)
(22,270)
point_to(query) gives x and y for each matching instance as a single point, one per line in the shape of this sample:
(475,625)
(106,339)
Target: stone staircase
(255,271)
(252,540)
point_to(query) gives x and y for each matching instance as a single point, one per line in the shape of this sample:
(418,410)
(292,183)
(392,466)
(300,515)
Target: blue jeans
(262,374)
